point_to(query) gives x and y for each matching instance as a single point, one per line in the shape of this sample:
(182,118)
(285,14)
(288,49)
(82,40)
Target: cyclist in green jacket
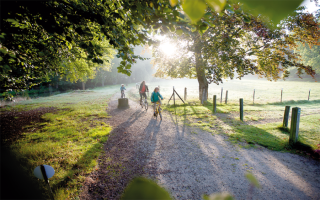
(155,98)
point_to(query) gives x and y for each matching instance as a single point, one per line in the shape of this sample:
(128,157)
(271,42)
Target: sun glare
(168,48)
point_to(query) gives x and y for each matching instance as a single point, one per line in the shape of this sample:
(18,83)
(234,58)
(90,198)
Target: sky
(311,7)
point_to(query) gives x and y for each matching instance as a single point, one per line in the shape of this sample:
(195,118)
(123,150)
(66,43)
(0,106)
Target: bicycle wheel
(146,105)
(160,114)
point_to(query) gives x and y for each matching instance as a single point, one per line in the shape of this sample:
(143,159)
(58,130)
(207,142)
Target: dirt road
(189,162)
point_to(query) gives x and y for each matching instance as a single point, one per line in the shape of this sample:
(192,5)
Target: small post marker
(281,94)
(221,95)
(241,109)
(294,130)
(286,116)
(185,93)
(309,94)
(45,172)
(226,101)
(254,92)
(214,103)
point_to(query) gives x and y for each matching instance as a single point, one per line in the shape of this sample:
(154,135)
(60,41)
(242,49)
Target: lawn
(262,123)
(265,91)
(69,139)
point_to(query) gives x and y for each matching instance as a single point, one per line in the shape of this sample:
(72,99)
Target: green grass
(70,140)
(265,91)
(226,121)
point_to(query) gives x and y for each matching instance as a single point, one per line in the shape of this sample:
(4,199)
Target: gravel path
(190,162)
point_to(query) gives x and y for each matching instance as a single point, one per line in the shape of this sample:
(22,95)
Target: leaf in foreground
(142,188)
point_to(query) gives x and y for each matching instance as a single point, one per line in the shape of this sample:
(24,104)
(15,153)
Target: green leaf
(142,188)
(194,9)
(246,19)
(173,2)
(276,10)
(252,179)
(203,28)
(179,31)
(41,53)
(217,5)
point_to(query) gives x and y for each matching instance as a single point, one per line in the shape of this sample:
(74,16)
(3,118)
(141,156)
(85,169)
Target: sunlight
(167,48)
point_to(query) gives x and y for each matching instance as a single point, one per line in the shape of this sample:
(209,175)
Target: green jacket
(155,97)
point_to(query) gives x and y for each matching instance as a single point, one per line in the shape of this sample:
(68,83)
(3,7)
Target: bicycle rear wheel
(160,114)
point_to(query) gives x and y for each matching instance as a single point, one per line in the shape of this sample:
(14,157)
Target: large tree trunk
(200,69)
(83,85)
(102,81)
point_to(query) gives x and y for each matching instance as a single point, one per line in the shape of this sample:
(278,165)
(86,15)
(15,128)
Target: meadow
(265,91)
(69,139)
(262,120)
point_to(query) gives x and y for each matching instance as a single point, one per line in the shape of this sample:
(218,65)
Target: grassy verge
(70,140)
(270,135)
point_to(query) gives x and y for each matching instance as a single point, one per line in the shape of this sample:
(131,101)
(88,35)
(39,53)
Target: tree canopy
(40,39)
(37,36)
(236,41)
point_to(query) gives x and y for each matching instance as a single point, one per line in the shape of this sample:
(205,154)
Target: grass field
(70,140)
(265,91)
(261,120)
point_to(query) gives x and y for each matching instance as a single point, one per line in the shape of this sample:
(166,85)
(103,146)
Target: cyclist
(142,90)
(155,98)
(122,88)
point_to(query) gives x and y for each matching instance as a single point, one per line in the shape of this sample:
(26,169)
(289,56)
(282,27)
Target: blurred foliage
(274,10)
(310,56)
(142,188)
(252,179)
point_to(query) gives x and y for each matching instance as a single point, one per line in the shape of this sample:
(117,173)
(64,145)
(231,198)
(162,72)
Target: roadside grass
(269,135)
(70,140)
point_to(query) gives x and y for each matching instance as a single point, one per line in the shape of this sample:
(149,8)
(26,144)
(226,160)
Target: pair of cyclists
(154,96)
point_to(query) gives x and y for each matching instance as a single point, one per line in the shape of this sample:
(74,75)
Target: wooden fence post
(309,94)
(294,130)
(174,99)
(254,92)
(221,95)
(281,94)
(286,116)
(241,109)
(214,103)
(185,93)
(226,100)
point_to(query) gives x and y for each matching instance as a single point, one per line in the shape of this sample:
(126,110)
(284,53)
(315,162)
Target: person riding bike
(155,98)
(142,90)
(122,88)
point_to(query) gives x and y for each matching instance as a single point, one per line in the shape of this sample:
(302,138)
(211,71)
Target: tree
(219,45)
(310,56)
(36,36)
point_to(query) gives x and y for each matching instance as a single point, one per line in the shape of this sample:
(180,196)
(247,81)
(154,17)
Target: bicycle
(144,103)
(158,111)
(122,94)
